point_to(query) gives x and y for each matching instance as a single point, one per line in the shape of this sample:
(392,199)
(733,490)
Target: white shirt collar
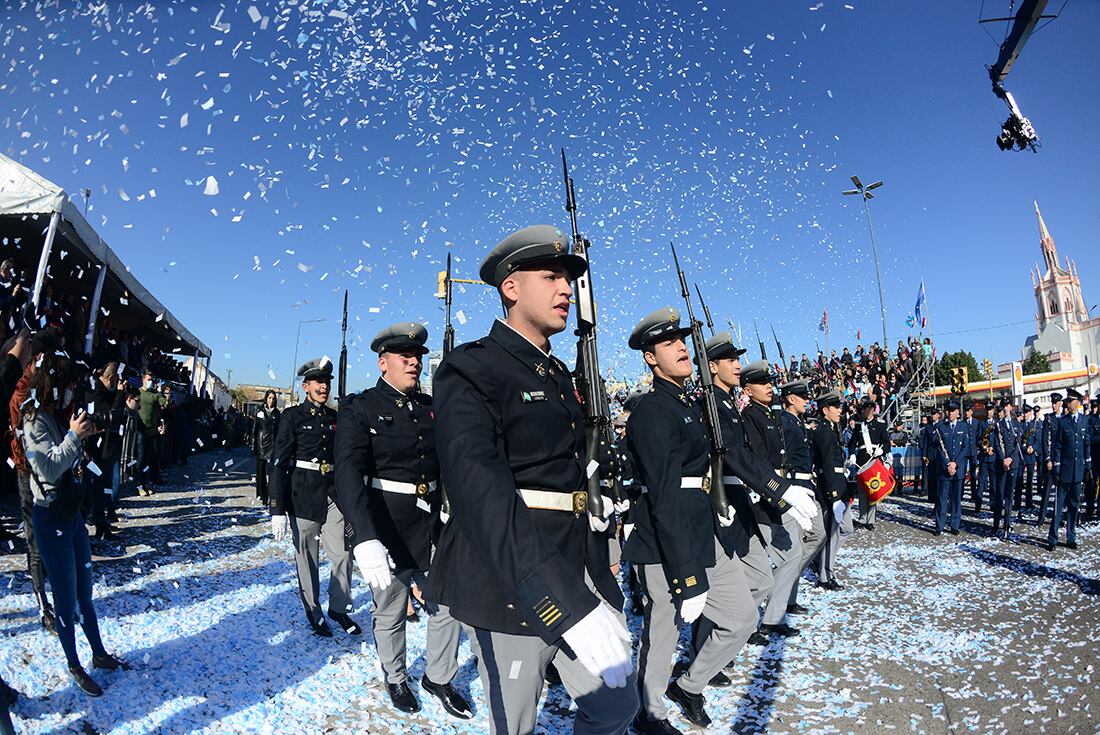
(545,352)
(383,379)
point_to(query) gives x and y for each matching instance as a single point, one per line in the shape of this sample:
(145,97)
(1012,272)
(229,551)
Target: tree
(950,360)
(1036,362)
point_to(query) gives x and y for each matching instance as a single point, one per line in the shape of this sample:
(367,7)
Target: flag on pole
(918,312)
(824,325)
(857,335)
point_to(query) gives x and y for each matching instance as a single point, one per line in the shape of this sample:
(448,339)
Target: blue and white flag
(918,312)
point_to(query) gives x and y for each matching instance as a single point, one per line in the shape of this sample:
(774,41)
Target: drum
(877,479)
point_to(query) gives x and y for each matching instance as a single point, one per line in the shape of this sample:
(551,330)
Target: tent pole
(96,296)
(206,377)
(44,260)
(192,388)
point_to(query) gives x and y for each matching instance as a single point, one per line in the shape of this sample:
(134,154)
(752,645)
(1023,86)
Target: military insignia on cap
(558,247)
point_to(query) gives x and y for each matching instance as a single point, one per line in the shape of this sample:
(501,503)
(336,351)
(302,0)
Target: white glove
(692,607)
(623,505)
(802,499)
(803,521)
(374,563)
(627,528)
(851,461)
(602,645)
(838,510)
(280,527)
(725,521)
(878,450)
(597,524)
(444,517)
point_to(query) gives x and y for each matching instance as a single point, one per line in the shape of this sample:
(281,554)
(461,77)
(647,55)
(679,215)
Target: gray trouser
(758,570)
(388,624)
(729,607)
(513,669)
(838,534)
(785,548)
(866,510)
(308,535)
(812,541)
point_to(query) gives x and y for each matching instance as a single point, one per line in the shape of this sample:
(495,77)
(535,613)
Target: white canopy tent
(26,200)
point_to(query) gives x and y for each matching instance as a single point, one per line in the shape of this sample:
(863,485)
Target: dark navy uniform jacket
(508,417)
(989,430)
(1006,442)
(1070,448)
(950,445)
(828,454)
(876,431)
(382,433)
(306,432)
(1046,437)
(765,437)
(741,462)
(1029,437)
(975,428)
(674,526)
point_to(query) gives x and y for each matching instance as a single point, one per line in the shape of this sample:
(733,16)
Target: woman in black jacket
(263,441)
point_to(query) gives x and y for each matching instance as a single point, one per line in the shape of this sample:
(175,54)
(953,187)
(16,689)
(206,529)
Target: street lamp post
(865,192)
(294,366)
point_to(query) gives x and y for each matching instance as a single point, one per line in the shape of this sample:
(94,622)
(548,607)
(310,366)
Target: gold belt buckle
(706,484)
(580,503)
(421,489)
(325,468)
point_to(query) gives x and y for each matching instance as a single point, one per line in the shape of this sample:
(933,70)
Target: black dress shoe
(937,532)
(107,662)
(344,621)
(953,531)
(644,726)
(692,705)
(1071,545)
(402,697)
(797,609)
(758,639)
(1050,545)
(720,680)
(782,629)
(86,683)
(448,696)
(321,629)
(835,585)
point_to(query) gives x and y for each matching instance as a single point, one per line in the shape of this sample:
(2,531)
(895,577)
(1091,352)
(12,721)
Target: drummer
(869,441)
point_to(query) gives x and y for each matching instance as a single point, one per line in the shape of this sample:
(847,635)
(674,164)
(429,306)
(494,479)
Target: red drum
(877,479)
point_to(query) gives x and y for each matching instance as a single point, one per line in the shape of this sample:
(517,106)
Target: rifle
(342,383)
(448,345)
(782,357)
(706,311)
(597,411)
(715,488)
(763,354)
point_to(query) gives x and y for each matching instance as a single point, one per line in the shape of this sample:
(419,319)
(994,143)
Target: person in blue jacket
(950,447)
(1070,459)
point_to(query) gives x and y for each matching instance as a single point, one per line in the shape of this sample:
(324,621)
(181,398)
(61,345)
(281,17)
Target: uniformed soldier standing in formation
(302,499)
(1070,461)
(796,397)
(973,466)
(869,440)
(518,564)
(1007,460)
(986,457)
(684,571)
(386,473)
(783,534)
(832,486)
(928,449)
(1029,439)
(1047,482)
(1092,490)
(951,448)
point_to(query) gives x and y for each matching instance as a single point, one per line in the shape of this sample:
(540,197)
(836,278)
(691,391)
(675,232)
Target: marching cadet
(302,499)
(684,570)
(750,484)
(927,443)
(1006,465)
(1029,440)
(973,468)
(518,563)
(386,473)
(796,397)
(783,533)
(1070,461)
(986,458)
(1047,483)
(951,445)
(832,486)
(869,440)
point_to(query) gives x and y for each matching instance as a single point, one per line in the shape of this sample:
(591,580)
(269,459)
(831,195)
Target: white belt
(838,470)
(731,480)
(323,467)
(404,488)
(575,502)
(802,476)
(686,483)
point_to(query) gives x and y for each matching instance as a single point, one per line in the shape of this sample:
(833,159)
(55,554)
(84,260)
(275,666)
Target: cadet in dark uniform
(1007,460)
(869,440)
(800,463)
(1047,480)
(986,475)
(1070,461)
(783,534)
(950,450)
(832,485)
(1029,443)
(974,427)
(518,564)
(302,498)
(684,570)
(927,443)
(386,472)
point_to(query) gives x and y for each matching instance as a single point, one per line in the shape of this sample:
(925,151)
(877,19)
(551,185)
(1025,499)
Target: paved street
(932,635)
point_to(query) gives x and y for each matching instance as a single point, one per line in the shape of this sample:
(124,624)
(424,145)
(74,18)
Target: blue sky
(356,146)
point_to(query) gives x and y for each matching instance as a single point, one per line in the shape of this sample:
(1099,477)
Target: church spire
(1046,242)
